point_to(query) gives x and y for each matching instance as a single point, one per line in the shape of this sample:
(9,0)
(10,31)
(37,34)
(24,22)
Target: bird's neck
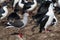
(51,7)
(5,9)
(25,18)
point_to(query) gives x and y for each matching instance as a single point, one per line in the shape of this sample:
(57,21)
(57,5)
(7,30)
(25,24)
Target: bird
(57,6)
(15,2)
(26,5)
(1,1)
(18,22)
(59,3)
(3,11)
(46,17)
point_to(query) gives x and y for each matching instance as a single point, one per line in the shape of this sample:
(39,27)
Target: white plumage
(25,19)
(51,15)
(5,13)
(15,2)
(1,1)
(59,3)
(20,4)
(32,6)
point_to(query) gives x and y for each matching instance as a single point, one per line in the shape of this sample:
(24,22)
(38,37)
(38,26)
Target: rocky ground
(5,34)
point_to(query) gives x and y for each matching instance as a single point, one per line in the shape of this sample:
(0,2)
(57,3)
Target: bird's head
(26,14)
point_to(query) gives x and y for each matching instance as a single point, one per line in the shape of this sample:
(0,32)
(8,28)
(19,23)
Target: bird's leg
(47,30)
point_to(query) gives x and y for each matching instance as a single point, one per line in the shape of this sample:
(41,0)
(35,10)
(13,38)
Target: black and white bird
(56,5)
(45,15)
(58,2)
(3,11)
(15,2)
(26,5)
(15,21)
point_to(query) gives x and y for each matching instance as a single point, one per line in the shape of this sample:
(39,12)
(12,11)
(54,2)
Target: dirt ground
(5,34)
